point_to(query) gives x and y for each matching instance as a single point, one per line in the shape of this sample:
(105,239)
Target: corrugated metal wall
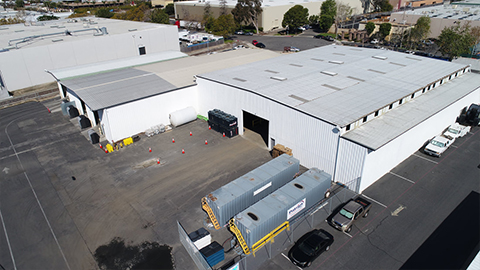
(313,141)
(135,117)
(380,162)
(350,160)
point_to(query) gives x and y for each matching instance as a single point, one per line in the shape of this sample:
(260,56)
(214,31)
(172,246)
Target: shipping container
(285,204)
(248,189)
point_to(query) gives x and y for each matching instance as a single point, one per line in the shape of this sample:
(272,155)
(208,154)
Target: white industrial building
(27,50)
(127,97)
(272,10)
(354,112)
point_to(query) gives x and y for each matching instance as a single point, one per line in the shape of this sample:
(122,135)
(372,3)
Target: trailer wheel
(327,248)
(327,194)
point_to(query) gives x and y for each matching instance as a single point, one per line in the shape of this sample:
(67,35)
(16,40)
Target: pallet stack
(279,150)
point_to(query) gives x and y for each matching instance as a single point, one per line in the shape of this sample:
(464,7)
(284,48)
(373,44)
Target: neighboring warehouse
(272,14)
(442,16)
(26,50)
(354,112)
(125,97)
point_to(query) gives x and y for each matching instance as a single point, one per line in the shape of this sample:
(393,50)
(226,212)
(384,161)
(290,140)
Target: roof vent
(241,80)
(278,78)
(339,54)
(271,71)
(132,29)
(316,59)
(336,62)
(16,31)
(355,78)
(398,64)
(416,59)
(379,57)
(377,71)
(329,73)
(57,40)
(296,65)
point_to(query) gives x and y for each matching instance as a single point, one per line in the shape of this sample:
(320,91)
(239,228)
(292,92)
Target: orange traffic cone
(173,140)
(206,142)
(190,133)
(100,145)
(149,149)
(223,134)
(183,151)
(158,161)
(209,127)
(106,151)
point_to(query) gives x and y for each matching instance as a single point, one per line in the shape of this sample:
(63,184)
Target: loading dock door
(256,124)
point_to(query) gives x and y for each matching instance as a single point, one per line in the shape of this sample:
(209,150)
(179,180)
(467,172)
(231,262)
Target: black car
(309,247)
(260,45)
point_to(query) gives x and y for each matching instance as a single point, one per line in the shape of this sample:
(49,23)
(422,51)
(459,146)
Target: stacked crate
(223,122)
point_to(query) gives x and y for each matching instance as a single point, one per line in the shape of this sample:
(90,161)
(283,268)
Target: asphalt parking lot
(62,197)
(409,203)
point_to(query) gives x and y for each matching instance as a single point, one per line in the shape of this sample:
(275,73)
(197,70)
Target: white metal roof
(337,84)
(465,10)
(378,132)
(110,88)
(82,70)
(56,30)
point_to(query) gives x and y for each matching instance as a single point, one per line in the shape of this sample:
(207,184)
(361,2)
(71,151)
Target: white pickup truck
(438,145)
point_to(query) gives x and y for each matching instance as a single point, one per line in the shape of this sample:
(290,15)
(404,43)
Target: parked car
(239,32)
(260,45)
(290,49)
(309,247)
(248,34)
(301,28)
(374,41)
(349,213)
(456,131)
(254,42)
(438,145)
(238,47)
(329,38)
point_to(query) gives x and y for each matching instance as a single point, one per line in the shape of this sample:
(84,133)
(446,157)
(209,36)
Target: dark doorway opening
(256,124)
(97,118)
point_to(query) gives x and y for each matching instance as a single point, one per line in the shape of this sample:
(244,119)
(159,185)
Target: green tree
(19,3)
(247,11)
(159,16)
(385,29)
(207,15)
(104,13)
(224,26)
(455,40)
(295,17)
(170,9)
(370,27)
(328,11)
(421,29)
(382,6)
(209,24)
(313,20)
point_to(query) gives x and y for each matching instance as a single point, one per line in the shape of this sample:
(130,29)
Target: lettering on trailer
(262,188)
(296,208)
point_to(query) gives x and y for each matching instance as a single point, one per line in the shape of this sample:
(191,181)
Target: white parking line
(404,178)
(289,260)
(348,234)
(8,242)
(454,146)
(425,158)
(374,200)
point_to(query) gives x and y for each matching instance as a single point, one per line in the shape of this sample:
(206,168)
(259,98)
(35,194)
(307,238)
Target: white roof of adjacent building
(337,84)
(110,88)
(232,3)
(465,10)
(385,128)
(43,33)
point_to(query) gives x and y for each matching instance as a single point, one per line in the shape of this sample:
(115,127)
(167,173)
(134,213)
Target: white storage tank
(182,116)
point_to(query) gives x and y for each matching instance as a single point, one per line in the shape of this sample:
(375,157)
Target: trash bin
(94,138)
